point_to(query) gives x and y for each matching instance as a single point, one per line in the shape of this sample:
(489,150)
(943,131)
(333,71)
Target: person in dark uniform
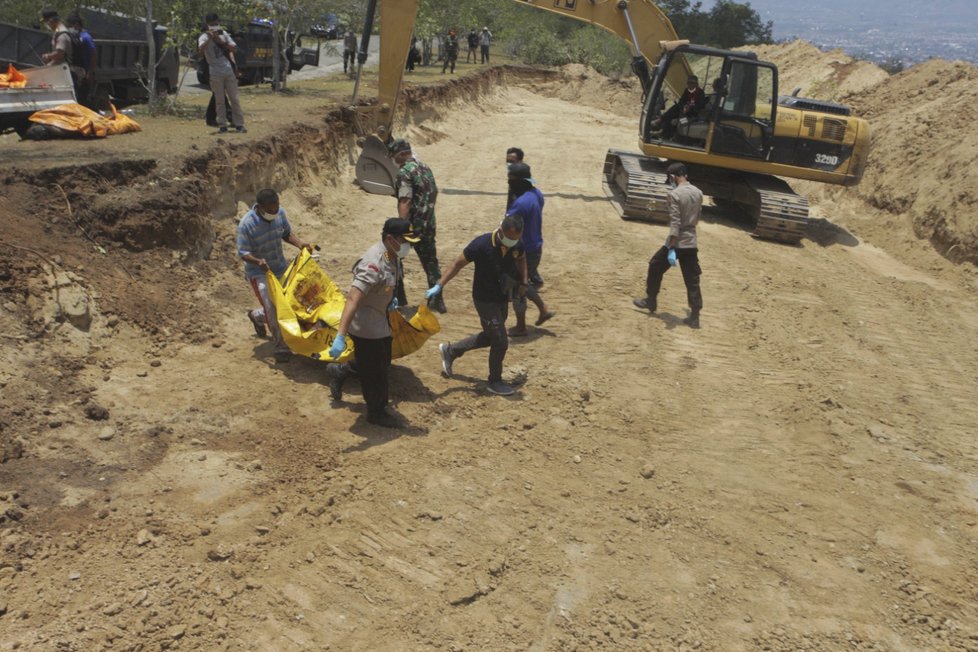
(500,271)
(375,280)
(349,53)
(473,40)
(685,203)
(451,52)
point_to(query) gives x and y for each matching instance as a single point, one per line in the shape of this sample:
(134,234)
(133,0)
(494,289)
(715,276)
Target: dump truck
(121,56)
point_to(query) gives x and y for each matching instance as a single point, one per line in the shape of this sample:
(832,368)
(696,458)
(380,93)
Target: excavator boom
(638,22)
(739,138)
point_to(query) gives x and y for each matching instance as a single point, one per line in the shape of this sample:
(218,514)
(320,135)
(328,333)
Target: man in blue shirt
(84,59)
(528,204)
(500,270)
(260,235)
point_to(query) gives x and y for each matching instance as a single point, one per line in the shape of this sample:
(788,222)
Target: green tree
(732,24)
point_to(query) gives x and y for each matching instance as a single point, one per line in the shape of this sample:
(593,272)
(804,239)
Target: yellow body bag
(309,307)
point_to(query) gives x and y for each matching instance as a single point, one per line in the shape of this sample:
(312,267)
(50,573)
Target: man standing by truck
(84,55)
(218,48)
(62,45)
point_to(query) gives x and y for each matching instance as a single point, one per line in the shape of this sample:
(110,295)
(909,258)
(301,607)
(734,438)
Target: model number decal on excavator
(826,159)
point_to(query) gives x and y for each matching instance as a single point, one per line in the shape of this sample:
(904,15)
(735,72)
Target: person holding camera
(500,272)
(218,48)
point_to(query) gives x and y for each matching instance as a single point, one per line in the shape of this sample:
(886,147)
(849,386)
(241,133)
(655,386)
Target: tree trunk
(151,57)
(276,59)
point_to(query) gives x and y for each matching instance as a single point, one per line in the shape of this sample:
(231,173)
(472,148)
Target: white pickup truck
(47,87)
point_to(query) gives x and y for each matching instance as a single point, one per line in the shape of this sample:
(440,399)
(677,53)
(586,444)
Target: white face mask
(404,249)
(269,217)
(509,242)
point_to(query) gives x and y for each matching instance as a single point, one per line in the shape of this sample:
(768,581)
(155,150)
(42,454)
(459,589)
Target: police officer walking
(685,203)
(375,280)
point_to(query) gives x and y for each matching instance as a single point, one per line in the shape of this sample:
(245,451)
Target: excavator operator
(690,103)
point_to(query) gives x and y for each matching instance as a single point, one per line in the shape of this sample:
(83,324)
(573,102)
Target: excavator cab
(730,109)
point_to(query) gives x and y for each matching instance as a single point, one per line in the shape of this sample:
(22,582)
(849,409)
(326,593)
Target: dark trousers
(533,267)
(373,365)
(449,61)
(689,264)
(485,53)
(492,316)
(471,54)
(349,56)
(428,254)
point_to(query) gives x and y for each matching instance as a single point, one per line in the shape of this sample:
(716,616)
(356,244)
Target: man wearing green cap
(416,195)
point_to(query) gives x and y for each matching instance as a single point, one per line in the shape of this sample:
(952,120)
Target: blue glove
(339,346)
(672,257)
(432,291)
(394,304)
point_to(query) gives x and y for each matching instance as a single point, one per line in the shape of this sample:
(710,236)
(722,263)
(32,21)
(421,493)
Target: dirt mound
(924,151)
(829,75)
(924,144)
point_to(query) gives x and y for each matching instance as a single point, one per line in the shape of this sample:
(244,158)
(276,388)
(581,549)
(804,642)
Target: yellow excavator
(736,146)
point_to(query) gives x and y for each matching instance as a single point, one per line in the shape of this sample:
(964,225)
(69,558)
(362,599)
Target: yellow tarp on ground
(12,78)
(309,307)
(81,120)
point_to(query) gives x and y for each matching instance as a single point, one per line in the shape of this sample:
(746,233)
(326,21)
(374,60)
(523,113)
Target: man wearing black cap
(372,294)
(685,205)
(218,48)
(690,103)
(417,193)
(61,45)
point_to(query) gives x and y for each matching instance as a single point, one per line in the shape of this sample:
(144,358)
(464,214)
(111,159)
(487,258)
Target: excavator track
(779,214)
(636,185)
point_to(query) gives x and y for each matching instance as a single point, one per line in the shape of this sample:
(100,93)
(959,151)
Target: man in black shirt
(500,271)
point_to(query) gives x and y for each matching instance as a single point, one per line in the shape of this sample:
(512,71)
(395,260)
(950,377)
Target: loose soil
(799,474)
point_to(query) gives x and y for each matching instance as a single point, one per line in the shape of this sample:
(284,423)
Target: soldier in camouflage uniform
(416,196)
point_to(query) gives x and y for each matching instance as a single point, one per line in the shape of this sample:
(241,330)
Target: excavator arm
(640,23)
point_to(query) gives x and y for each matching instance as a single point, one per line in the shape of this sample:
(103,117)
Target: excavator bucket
(376,172)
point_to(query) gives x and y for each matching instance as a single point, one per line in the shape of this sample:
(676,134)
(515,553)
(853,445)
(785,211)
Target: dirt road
(799,474)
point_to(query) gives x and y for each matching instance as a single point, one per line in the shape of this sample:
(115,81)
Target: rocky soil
(799,474)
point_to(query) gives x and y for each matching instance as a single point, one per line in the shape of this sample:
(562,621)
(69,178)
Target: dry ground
(799,474)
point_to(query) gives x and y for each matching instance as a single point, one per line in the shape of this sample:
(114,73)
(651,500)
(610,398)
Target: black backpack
(77,46)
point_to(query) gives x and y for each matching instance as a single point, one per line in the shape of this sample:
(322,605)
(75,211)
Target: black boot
(337,374)
(693,321)
(384,419)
